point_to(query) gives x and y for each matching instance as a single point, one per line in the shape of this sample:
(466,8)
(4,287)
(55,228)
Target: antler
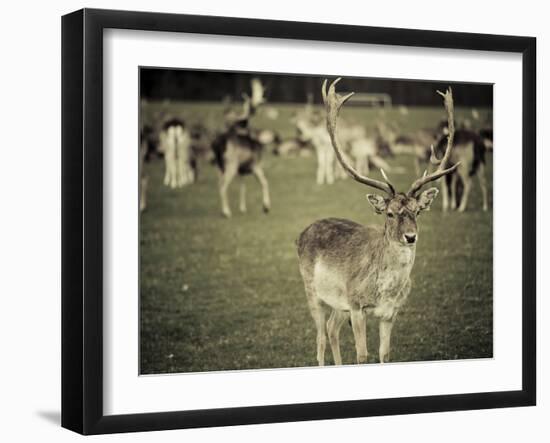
(251,103)
(333,103)
(440,171)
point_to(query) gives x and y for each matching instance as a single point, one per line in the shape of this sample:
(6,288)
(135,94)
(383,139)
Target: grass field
(226,294)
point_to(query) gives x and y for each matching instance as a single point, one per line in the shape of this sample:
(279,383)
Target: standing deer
(237,151)
(175,142)
(469,150)
(313,132)
(355,270)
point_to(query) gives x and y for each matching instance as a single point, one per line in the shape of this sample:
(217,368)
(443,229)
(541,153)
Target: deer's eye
(390,214)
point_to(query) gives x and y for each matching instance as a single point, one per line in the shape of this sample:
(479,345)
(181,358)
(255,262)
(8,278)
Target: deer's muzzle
(410,238)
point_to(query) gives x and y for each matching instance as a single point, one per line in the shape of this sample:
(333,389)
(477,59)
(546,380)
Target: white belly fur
(330,287)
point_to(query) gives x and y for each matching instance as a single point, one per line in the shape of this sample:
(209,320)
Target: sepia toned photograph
(291,221)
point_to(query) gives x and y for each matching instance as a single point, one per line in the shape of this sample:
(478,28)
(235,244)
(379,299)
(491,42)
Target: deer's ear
(426,198)
(378,202)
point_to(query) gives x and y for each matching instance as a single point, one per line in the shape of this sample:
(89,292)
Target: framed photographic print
(271,221)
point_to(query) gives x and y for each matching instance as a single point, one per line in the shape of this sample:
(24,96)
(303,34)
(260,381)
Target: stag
(238,152)
(353,270)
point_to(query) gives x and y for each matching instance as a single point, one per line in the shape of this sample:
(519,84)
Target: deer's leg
(444,194)
(168,162)
(359,165)
(180,178)
(178,163)
(184,165)
(166,171)
(190,174)
(385,328)
(318,314)
(164,149)
(367,165)
(193,173)
(170,159)
(454,186)
(330,165)
(173,169)
(337,170)
(359,326)
(184,170)
(483,185)
(320,167)
(417,166)
(242,196)
(362,164)
(174,179)
(143,193)
(386,325)
(466,179)
(225,180)
(334,324)
(259,174)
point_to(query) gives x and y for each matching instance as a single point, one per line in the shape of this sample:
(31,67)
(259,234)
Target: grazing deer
(238,152)
(365,149)
(355,270)
(416,143)
(294,146)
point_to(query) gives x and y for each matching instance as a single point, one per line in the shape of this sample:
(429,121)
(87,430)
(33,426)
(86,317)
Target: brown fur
(237,151)
(469,150)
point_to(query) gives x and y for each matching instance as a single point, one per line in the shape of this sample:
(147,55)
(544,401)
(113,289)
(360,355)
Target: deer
(312,131)
(352,270)
(238,152)
(358,148)
(469,149)
(175,142)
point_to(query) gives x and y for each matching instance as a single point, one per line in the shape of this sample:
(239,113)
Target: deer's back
(337,242)
(469,149)
(242,149)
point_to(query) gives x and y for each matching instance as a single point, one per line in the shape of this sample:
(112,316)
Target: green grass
(221,294)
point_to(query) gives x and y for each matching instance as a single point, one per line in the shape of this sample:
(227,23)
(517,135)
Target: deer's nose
(410,238)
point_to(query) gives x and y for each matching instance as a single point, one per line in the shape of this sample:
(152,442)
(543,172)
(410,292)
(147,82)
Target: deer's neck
(396,255)
(385,276)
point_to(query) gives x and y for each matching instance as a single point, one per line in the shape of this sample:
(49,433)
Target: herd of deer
(349,270)
(237,150)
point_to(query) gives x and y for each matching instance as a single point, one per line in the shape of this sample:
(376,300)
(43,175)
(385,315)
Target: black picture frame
(82,220)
